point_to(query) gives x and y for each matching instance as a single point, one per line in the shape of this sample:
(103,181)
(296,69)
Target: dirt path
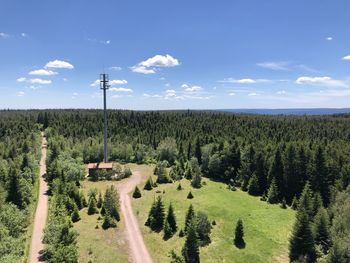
(139,252)
(37,246)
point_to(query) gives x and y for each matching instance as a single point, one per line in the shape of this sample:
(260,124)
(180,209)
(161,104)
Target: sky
(163,54)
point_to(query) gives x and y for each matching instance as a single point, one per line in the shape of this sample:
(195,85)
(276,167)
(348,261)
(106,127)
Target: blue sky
(175,54)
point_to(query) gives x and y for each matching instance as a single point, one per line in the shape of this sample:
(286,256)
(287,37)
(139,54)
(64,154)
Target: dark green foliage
(136,193)
(161,172)
(179,187)
(272,194)
(181,233)
(92,209)
(149,184)
(190,251)
(171,220)
(108,221)
(196,174)
(321,230)
(190,195)
(176,258)
(302,244)
(294,203)
(284,204)
(75,215)
(253,186)
(156,215)
(203,228)
(239,235)
(111,202)
(100,200)
(167,231)
(190,215)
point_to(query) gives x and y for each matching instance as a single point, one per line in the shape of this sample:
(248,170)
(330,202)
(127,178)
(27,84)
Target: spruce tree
(196,174)
(305,201)
(171,219)
(167,231)
(190,215)
(149,184)
(190,195)
(320,177)
(75,215)
(321,230)
(190,250)
(136,193)
(198,151)
(156,215)
(92,209)
(295,203)
(272,194)
(302,244)
(276,172)
(317,203)
(253,186)
(99,201)
(179,187)
(239,235)
(261,173)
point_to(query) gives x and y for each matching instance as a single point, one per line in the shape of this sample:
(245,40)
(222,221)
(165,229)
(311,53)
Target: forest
(302,162)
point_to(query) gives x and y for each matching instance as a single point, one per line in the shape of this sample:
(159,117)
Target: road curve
(40,218)
(138,249)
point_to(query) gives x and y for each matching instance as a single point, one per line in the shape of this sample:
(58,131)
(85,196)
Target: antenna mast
(104,85)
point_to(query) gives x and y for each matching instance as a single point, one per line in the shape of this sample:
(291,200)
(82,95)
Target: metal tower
(104,85)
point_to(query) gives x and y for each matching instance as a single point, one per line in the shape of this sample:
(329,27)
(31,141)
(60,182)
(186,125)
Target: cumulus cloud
(149,66)
(274,65)
(22,79)
(3,35)
(329,38)
(40,81)
(111,82)
(20,94)
(115,68)
(184,86)
(193,89)
(346,57)
(121,90)
(321,81)
(59,64)
(152,95)
(43,72)
(170,93)
(142,70)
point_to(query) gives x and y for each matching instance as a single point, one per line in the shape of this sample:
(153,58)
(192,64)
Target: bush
(108,222)
(190,195)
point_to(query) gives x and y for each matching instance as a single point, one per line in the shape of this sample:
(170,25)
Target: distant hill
(298,111)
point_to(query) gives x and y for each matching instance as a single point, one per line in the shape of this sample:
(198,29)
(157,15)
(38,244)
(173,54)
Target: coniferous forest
(302,162)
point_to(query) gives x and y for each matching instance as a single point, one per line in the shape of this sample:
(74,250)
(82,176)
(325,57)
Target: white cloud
(170,93)
(193,89)
(118,82)
(232,94)
(111,82)
(160,61)
(59,64)
(32,87)
(346,57)
(3,35)
(321,81)
(274,65)
(329,38)
(21,79)
(121,90)
(24,34)
(253,94)
(281,92)
(184,86)
(115,68)
(20,94)
(142,70)
(152,95)
(150,65)
(43,72)
(75,94)
(39,81)
(167,85)
(239,81)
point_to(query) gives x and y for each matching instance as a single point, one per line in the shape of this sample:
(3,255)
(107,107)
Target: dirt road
(37,246)
(139,252)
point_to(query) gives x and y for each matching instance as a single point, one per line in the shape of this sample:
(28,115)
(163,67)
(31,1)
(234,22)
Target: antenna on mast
(104,85)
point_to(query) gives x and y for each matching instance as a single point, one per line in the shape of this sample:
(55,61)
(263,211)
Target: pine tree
(301,244)
(272,194)
(276,172)
(190,215)
(156,215)
(261,173)
(108,221)
(321,230)
(167,231)
(99,201)
(320,177)
(171,219)
(92,209)
(190,195)
(75,215)
(149,184)
(196,174)
(190,250)
(305,201)
(253,186)
(291,180)
(198,151)
(136,193)
(317,204)
(239,235)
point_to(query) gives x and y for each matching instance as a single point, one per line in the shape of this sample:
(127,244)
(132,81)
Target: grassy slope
(99,245)
(267,227)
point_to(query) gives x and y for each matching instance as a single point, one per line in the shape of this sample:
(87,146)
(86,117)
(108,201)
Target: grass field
(267,227)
